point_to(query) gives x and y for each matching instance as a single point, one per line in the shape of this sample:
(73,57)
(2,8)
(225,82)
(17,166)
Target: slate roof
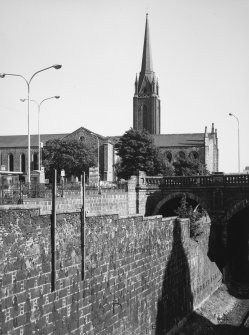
(19,141)
(173,140)
(179,140)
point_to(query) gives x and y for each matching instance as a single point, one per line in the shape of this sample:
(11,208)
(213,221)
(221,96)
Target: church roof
(16,141)
(179,140)
(173,140)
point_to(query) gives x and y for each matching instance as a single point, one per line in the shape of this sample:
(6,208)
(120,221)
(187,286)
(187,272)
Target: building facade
(146,115)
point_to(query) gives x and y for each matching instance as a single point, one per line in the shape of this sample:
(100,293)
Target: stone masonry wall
(119,201)
(142,275)
(96,204)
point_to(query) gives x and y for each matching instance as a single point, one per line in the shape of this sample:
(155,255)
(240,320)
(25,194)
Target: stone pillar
(141,193)
(131,207)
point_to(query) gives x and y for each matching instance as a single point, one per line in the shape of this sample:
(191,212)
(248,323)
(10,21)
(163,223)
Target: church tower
(146,102)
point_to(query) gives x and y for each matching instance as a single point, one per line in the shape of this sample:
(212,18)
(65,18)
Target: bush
(186,211)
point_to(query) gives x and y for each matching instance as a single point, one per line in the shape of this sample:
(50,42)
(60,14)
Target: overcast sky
(200,51)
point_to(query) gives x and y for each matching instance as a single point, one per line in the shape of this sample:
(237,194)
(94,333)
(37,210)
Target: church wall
(187,151)
(211,152)
(17,152)
(108,157)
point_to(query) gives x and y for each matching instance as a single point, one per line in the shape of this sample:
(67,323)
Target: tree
(194,215)
(189,167)
(165,168)
(137,152)
(71,155)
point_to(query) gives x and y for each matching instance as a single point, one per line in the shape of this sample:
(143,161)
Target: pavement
(226,312)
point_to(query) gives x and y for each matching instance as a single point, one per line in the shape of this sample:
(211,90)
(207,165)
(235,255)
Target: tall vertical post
(29,161)
(53,233)
(39,140)
(237,119)
(238,148)
(83,220)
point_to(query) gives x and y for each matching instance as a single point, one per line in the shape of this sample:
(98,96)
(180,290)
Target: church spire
(147,67)
(147,72)
(146,102)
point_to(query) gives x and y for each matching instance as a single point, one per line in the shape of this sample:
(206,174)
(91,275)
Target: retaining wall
(142,275)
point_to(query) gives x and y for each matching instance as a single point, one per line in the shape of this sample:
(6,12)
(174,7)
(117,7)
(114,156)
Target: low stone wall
(109,201)
(96,204)
(142,275)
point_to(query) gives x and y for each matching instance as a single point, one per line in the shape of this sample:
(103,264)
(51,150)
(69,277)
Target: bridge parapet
(197,181)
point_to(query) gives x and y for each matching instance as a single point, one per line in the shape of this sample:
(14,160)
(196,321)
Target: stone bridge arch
(175,195)
(236,208)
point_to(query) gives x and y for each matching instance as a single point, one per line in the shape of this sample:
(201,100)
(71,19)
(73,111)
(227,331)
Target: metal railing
(215,179)
(20,192)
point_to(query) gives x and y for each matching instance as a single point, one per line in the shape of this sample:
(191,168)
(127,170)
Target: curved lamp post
(230,114)
(28,82)
(39,137)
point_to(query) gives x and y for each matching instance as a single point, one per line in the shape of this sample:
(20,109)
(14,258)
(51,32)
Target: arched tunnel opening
(169,208)
(238,247)
(187,207)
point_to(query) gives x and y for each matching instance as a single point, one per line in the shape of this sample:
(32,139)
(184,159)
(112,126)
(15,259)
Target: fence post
(53,232)
(83,219)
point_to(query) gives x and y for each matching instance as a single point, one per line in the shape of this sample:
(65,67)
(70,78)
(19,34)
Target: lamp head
(230,114)
(22,100)
(57,66)
(2,75)
(57,97)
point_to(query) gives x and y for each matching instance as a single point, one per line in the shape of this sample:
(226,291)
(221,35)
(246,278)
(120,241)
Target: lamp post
(98,163)
(39,137)
(230,114)
(28,82)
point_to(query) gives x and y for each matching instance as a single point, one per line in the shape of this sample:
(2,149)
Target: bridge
(221,195)
(225,197)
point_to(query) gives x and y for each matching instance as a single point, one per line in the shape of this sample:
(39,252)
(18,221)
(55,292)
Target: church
(146,115)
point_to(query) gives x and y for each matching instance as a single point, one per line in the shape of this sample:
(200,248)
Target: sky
(200,51)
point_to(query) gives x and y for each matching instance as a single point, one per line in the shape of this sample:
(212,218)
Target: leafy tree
(71,155)
(137,152)
(165,168)
(186,211)
(189,167)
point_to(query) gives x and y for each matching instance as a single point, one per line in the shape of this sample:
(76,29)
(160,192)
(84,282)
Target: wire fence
(19,192)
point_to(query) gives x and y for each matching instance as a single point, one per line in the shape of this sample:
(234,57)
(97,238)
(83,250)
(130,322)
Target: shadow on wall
(176,299)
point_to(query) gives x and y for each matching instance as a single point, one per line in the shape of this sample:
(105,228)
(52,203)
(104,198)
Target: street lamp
(98,162)
(39,137)
(230,114)
(28,82)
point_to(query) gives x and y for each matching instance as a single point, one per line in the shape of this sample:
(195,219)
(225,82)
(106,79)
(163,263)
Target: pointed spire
(157,87)
(136,85)
(147,66)
(212,131)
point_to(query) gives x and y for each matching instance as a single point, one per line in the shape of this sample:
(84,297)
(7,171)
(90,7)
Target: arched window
(11,162)
(23,163)
(35,161)
(145,117)
(181,154)
(193,155)
(168,156)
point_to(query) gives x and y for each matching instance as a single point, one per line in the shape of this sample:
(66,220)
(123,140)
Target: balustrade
(219,179)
